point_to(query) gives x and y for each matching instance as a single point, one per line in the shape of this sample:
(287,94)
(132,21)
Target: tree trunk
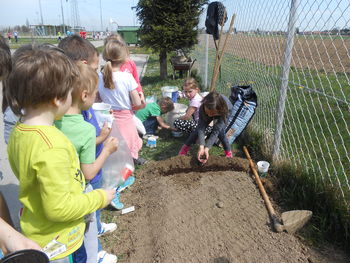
(163,64)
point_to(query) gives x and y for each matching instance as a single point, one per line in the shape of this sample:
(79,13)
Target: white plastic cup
(102,112)
(263,167)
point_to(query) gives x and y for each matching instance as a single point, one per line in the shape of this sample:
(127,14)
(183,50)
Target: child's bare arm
(189,113)
(163,124)
(90,170)
(136,100)
(105,131)
(142,97)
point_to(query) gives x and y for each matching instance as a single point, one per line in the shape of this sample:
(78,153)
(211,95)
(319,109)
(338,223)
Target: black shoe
(140,161)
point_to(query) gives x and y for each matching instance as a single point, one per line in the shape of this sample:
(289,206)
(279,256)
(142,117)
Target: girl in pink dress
(129,65)
(119,89)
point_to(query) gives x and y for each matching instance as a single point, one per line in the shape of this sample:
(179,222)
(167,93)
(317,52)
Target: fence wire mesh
(315,130)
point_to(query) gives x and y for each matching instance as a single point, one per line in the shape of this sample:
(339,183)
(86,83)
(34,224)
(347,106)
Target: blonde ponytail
(107,76)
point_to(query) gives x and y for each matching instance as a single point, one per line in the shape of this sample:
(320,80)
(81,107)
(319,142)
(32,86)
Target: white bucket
(263,167)
(178,111)
(102,112)
(170,91)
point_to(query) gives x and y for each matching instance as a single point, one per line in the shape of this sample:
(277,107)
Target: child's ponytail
(107,76)
(115,53)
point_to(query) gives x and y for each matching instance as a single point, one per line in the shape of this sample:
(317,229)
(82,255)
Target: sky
(251,14)
(16,12)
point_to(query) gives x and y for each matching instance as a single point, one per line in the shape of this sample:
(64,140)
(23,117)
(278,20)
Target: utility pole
(41,13)
(64,27)
(101,16)
(42,20)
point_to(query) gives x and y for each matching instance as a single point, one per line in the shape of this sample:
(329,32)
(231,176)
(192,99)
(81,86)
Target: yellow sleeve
(61,186)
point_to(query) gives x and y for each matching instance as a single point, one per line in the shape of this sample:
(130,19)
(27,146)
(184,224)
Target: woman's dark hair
(214,101)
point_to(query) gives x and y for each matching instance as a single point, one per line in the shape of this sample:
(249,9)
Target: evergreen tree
(168,25)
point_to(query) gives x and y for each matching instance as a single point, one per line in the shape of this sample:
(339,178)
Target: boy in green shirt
(51,184)
(83,136)
(150,115)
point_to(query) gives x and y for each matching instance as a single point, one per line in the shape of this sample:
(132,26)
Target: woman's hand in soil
(110,194)
(203,154)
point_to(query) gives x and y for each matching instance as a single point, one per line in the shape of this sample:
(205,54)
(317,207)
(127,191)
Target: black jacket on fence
(216,15)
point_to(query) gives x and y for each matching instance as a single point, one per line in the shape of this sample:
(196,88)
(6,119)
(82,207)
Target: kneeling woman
(217,108)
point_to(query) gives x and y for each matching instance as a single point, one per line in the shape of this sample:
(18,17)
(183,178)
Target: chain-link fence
(296,55)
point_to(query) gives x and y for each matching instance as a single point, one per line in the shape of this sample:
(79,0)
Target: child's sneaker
(104,257)
(140,161)
(107,228)
(184,150)
(126,184)
(116,202)
(228,154)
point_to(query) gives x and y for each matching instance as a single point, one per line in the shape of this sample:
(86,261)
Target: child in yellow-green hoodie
(51,184)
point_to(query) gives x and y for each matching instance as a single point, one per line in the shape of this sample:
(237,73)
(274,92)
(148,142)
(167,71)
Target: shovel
(291,220)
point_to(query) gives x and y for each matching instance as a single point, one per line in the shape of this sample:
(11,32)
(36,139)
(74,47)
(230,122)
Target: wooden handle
(217,65)
(260,185)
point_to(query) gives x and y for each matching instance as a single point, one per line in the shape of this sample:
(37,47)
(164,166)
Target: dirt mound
(185,164)
(191,213)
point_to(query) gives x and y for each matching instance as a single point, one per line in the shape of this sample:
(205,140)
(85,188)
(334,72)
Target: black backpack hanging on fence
(244,101)
(216,15)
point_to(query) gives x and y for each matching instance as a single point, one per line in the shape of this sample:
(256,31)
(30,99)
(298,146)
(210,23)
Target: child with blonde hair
(188,122)
(81,50)
(119,89)
(83,136)
(129,65)
(51,183)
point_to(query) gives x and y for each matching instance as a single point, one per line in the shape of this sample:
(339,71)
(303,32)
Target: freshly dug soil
(185,212)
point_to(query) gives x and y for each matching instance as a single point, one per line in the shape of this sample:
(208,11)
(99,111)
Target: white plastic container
(102,113)
(151,142)
(263,167)
(178,111)
(171,92)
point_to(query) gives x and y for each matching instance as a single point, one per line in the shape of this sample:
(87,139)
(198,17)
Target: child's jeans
(75,258)
(222,137)
(151,125)
(98,185)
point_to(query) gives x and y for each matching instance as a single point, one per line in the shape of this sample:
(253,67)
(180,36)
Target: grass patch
(297,189)
(25,41)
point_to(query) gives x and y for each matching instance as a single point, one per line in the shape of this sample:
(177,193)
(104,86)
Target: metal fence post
(206,61)
(285,76)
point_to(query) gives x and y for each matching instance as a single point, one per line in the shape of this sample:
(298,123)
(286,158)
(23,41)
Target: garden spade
(291,220)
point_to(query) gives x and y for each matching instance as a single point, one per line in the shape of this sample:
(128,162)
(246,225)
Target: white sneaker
(107,228)
(104,257)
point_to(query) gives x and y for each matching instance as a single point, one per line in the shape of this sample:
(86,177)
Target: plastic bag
(119,164)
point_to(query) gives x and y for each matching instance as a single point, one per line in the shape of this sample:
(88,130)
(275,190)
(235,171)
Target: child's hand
(105,131)
(203,154)
(110,193)
(111,145)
